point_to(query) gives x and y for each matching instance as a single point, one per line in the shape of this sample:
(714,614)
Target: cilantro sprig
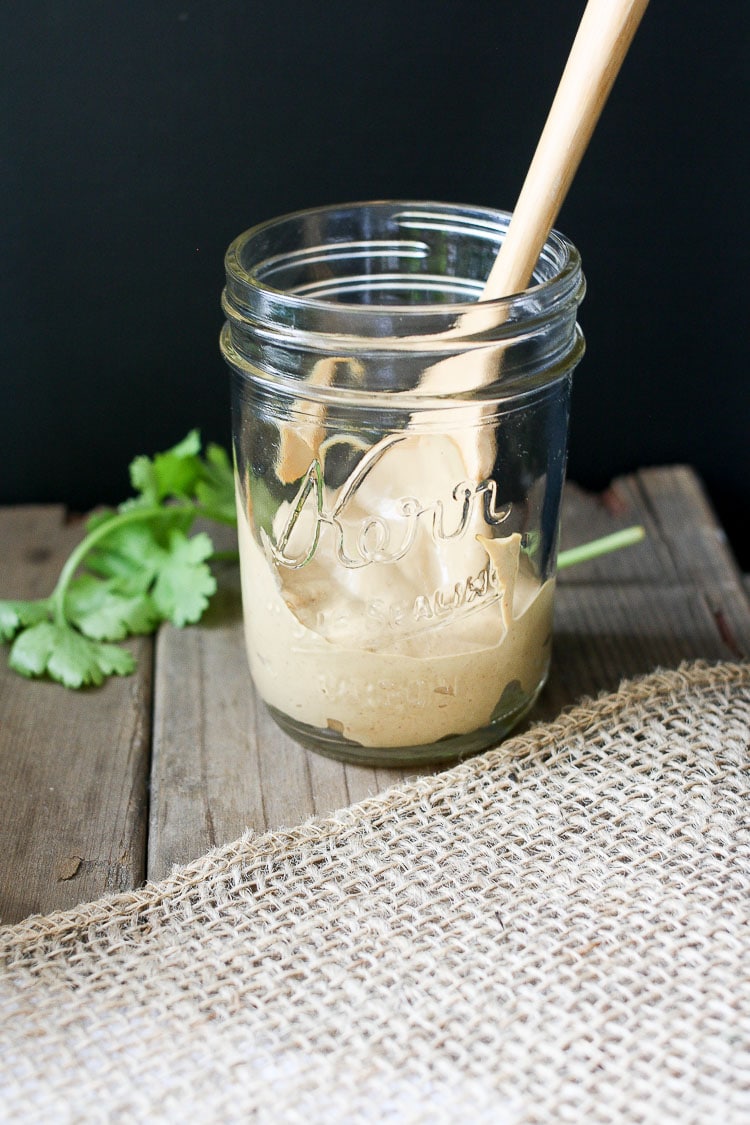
(136,567)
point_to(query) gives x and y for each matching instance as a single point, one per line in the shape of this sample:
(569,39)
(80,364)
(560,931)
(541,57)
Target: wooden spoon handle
(604,35)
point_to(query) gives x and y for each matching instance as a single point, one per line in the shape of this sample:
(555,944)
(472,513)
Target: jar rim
(247,288)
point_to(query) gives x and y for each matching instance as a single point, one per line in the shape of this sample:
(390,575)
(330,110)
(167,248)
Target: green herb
(597,547)
(136,567)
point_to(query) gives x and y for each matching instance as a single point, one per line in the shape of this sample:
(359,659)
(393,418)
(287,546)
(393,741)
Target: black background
(138,139)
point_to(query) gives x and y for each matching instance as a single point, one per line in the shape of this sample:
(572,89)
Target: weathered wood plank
(588,515)
(364,781)
(676,596)
(73,765)
(604,634)
(688,526)
(698,549)
(206,780)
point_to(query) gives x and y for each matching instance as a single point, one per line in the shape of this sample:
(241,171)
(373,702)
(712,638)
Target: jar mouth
(386,269)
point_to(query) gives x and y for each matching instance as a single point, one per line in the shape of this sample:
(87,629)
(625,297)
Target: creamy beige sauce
(420,630)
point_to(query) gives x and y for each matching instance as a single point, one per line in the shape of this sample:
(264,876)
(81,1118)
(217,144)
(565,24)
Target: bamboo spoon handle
(604,35)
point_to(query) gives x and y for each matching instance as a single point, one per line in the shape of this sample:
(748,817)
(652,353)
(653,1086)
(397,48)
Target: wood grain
(601,43)
(73,765)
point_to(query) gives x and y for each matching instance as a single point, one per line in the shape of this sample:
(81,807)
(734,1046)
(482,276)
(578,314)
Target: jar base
(448,750)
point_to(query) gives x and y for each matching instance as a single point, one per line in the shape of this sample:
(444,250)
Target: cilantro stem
(76,557)
(215,515)
(625,538)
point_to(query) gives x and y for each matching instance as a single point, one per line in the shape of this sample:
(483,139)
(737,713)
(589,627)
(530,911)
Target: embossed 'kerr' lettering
(379,539)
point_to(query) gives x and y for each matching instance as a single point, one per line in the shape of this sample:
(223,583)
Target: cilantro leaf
(174,473)
(15,615)
(135,560)
(110,610)
(184,583)
(66,656)
(127,552)
(134,568)
(216,488)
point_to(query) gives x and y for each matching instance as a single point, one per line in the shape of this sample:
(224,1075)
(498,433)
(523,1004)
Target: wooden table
(104,788)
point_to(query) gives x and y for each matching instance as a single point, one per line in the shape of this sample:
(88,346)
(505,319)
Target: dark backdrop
(139,138)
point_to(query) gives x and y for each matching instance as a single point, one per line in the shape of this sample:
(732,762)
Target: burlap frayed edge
(250,849)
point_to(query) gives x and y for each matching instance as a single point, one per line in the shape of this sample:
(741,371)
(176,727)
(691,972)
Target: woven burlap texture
(554,931)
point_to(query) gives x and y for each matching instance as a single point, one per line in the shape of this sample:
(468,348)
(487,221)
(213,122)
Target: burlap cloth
(556,931)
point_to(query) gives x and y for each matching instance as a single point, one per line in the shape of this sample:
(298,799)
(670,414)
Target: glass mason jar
(400,451)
